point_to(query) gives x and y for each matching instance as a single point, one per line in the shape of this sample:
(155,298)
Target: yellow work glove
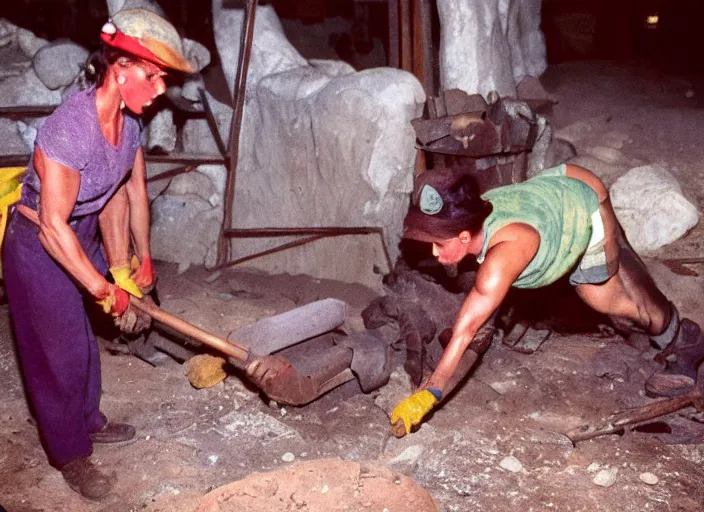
(121,275)
(10,193)
(411,410)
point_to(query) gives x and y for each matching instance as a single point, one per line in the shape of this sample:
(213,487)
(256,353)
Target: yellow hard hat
(147,35)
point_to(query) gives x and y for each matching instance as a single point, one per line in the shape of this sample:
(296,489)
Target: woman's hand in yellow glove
(411,410)
(122,276)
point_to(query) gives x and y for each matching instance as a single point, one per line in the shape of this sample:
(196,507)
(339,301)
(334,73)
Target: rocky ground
(495,446)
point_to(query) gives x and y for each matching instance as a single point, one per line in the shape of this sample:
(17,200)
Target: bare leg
(630,293)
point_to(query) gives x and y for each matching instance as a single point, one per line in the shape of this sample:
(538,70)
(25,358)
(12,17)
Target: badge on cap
(430,200)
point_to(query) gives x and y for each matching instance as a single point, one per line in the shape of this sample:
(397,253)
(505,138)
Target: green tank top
(558,208)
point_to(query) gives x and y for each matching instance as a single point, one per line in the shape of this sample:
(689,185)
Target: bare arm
(136,188)
(504,262)
(59,190)
(115,229)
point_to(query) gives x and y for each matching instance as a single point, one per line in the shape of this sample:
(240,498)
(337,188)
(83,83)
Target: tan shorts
(592,267)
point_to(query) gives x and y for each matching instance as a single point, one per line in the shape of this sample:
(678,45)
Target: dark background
(574,29)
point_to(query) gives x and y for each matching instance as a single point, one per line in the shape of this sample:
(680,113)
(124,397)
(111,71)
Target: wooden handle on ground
(181,326)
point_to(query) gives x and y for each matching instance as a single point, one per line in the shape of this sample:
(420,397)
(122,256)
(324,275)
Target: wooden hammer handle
(236,352)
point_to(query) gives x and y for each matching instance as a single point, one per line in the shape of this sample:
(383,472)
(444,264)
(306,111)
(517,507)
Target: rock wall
(490,45)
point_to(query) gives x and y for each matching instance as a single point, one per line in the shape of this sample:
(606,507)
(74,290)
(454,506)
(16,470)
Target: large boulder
(650,206)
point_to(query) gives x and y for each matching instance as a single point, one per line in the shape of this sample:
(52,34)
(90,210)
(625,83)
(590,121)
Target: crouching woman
(529,235)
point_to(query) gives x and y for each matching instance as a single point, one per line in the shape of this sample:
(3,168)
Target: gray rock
(490,45)
(162,131)
(196,53)
(29,43)
(559,152)
(332,68)
(511,464)
(271,53)
(28,131)
(58,64)
(407,461)
(184,229)
(606,477)
(191,90)
(8,33)
(12,142)
(191,183)
(217,175)
(150,5)
(650,206)
(686,292)
(648,478)
(26,89)
(196,134)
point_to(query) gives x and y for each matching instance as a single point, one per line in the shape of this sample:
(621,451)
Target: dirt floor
(495,446)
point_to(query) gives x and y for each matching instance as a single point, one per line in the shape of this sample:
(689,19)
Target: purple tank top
(72,136)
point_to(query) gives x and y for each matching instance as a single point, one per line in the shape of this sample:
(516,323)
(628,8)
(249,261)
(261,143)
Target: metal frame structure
(406,50)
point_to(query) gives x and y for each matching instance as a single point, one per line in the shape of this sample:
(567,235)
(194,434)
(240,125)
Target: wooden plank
(406,42)
(422,45)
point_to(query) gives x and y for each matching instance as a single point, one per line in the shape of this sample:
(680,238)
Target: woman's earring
(121,80)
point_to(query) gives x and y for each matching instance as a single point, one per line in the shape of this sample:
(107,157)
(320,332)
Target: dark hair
(97,64)
(463,208)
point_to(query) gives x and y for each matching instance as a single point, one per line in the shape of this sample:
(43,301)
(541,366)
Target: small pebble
(288,457)
(649,478)
(593,467)
(511,464)
(606,477)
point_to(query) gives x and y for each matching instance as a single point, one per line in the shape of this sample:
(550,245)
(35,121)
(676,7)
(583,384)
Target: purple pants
(57,349)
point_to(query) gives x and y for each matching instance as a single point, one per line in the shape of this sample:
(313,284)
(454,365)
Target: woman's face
(450,251)
(140,82)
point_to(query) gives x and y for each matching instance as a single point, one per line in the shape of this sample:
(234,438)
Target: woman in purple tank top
(85,184)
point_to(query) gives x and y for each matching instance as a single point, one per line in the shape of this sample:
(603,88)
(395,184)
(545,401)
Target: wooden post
(406,30)
(394,54)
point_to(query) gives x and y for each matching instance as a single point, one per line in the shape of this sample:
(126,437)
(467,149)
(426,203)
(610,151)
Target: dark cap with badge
(444,202)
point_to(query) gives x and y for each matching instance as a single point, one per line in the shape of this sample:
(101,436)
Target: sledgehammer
(238,356)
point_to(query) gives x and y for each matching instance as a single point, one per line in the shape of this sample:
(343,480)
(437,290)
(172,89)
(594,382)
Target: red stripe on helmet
(130,45)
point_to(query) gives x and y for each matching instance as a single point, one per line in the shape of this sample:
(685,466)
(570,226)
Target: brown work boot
(84,478)
(682,358)
(113,433)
